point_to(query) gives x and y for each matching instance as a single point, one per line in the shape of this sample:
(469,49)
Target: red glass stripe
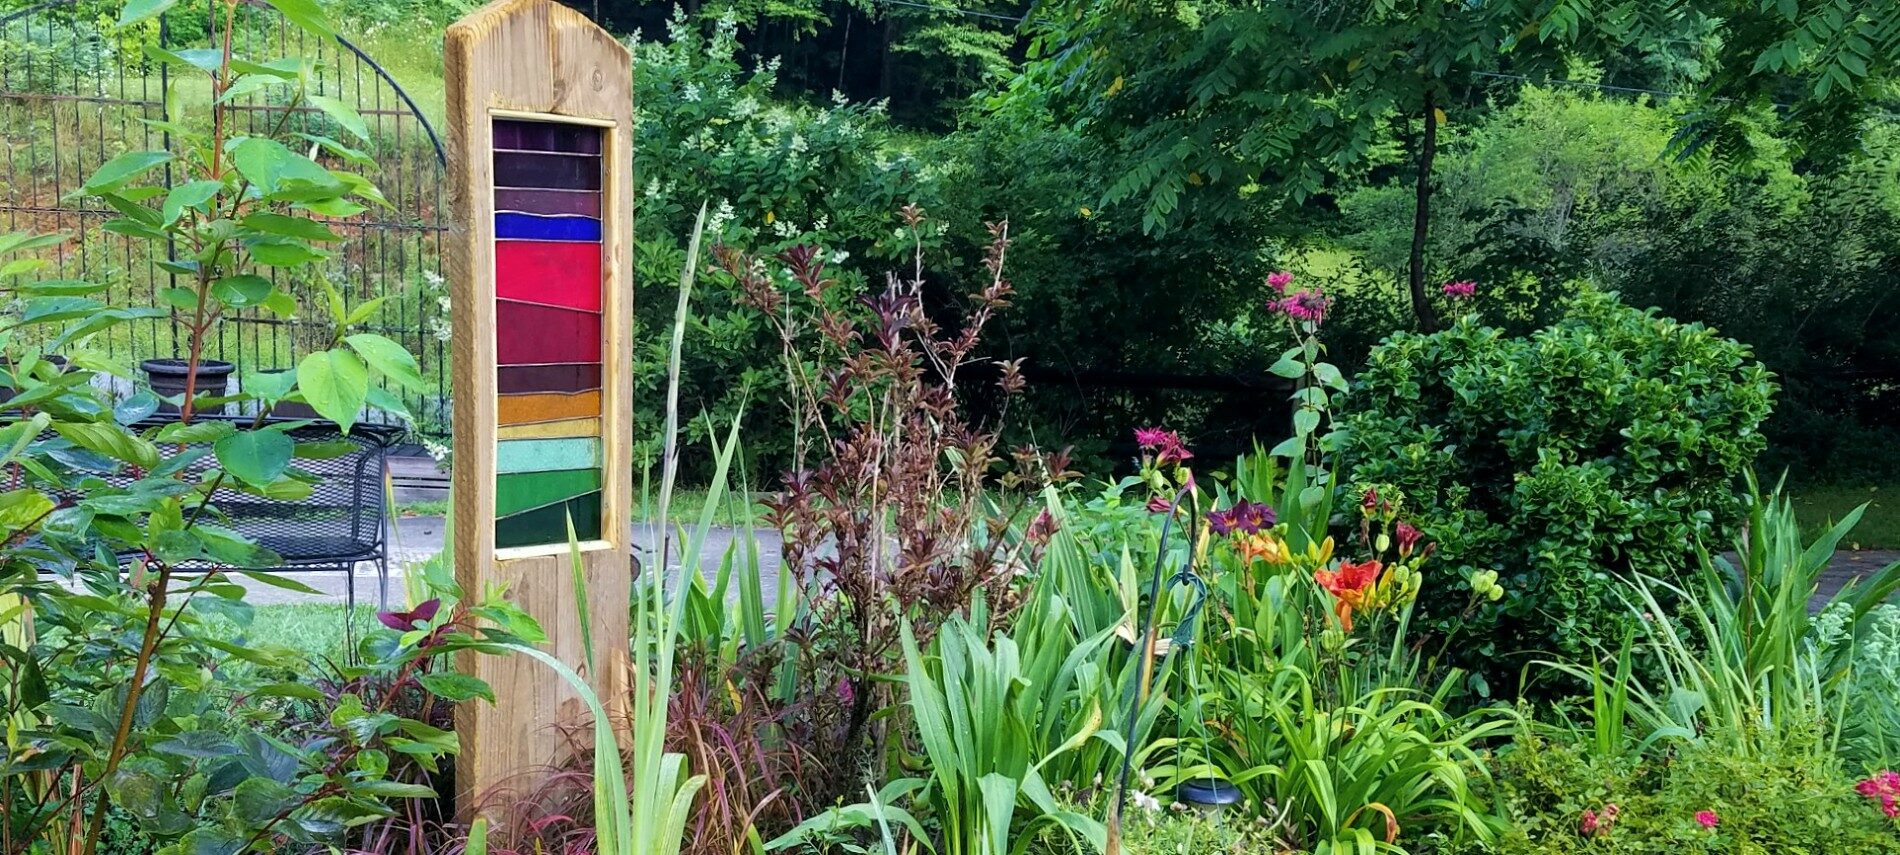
(550,272)
(527,334)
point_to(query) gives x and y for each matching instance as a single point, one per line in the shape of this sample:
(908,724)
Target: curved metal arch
(441,155)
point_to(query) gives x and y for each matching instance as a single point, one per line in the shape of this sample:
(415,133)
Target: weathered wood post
(540,119)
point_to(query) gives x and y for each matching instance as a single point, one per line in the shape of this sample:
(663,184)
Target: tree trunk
(884,58)
(1422,217)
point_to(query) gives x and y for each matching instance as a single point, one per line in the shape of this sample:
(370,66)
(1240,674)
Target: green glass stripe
(529,490)
(548,525)
(547,455)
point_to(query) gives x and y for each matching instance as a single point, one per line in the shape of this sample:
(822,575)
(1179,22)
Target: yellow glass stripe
(549,430)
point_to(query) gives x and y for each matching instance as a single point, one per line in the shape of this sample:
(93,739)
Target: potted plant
(169,377)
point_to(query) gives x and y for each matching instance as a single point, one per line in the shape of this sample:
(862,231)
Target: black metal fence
(76,92)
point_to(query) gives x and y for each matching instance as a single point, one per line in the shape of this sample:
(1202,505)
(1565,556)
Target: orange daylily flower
(1261,546)
(1349,586)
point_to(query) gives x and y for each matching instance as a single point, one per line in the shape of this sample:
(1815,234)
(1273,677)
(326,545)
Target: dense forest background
(1732,162)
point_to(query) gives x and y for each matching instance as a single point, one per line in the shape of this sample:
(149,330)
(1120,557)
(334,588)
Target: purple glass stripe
(583,202)
(546,136)
(560,377)
(547,170)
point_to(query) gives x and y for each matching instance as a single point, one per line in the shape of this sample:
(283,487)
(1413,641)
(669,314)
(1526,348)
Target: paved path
(1851,565)
(416,539)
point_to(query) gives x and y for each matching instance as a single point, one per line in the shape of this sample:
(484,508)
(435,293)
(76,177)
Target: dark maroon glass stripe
(583,202)
(567,377)
(548,170)
(546,136)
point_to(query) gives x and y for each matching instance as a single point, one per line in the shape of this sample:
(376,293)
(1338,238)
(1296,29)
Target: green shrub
(1796,799)
(1606,443)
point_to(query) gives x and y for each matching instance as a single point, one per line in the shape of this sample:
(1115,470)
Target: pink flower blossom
(1166,444)
(1599,824)
(1707,818)
(1152,438)
(1462,289)
(1310,305)
(1407,536)
(1278,281)
(1159,505)
(1883,787)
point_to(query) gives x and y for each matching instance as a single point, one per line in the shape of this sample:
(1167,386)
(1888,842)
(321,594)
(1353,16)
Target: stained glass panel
(548,331)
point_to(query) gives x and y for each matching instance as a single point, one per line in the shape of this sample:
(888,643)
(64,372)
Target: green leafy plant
(1605,443)
(122,692)
(1741,659)
(990,715)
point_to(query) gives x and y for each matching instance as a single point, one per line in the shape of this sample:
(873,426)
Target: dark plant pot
(167,377)
(7,392)
(290,409)
(1208,795)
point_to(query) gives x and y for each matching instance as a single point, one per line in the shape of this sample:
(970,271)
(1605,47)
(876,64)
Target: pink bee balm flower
(1303,306)
(1707,818)
(1463,289)
(1278,281)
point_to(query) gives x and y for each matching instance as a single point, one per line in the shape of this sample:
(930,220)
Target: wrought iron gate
(73,92)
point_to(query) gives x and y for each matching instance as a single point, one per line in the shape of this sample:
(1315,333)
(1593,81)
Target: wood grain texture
(535,57)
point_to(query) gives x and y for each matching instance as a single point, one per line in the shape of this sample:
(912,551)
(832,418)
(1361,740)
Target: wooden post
(540,119)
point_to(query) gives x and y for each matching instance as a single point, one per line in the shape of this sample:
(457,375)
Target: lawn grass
(1879,528)
(312,628)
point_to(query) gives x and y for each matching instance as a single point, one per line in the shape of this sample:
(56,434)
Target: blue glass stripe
(513,225)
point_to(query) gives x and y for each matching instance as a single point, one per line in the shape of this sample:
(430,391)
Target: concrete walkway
(416,539)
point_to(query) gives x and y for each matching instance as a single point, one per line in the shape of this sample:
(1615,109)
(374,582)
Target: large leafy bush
(1607,442)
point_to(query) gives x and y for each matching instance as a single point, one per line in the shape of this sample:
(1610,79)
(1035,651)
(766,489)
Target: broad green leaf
(271,385)
(259,800)
(365,310)
(345,115)
(248,84)
(22,508)
(269,165)
(143,10)
(302,228)
(198,745)
(389,359)
(110,440)
(305,14)
(124,168)
(335,383)
(452,686)
(188,195)
(258,457)
(393,790)
(242,291)
(284,252)
(351,155)
(204,59)
(12,242)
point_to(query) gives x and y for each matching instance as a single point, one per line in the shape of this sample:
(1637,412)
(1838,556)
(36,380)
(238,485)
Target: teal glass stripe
(514,456)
